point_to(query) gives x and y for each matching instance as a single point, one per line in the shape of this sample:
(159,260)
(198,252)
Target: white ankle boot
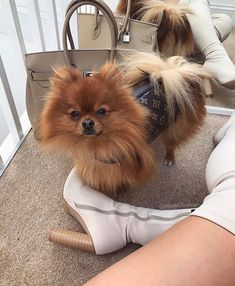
(217,61)
(112,224)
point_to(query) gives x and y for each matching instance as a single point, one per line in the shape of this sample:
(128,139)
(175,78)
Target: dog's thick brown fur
(174,35)
(115,153)
(116,156)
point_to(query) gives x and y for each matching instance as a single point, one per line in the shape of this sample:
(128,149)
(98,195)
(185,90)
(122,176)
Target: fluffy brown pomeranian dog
(98,121)
(174,34)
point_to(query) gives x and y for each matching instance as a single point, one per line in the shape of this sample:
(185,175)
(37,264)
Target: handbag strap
(126,21)
(100,5)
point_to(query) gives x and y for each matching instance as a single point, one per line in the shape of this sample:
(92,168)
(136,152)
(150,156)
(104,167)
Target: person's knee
(219,206)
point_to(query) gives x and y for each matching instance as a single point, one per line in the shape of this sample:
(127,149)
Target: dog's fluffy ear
(111,72)
(64,76)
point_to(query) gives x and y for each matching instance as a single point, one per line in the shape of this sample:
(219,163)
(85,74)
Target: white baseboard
(226,9)
(219,110)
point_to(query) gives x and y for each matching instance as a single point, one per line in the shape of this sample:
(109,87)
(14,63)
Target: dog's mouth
(90,133)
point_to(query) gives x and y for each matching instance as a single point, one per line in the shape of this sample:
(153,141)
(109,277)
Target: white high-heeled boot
(112,224)
(217,61)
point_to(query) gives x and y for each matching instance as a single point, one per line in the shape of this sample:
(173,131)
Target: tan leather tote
(132,34)
(40,65)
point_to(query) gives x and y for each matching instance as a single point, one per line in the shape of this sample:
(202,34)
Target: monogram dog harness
(154,99)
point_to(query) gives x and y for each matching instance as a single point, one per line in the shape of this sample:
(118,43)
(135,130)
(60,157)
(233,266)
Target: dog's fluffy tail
(183,81)
(174,34)
(176,14)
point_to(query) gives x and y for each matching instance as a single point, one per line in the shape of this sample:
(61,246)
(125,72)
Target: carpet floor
(31,203)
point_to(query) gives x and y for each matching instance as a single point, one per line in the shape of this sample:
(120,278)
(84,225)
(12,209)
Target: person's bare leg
(193,252)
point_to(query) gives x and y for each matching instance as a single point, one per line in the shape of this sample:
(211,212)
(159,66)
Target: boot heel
(73,239)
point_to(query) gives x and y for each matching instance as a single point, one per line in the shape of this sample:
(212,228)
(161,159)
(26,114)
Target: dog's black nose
(88,124)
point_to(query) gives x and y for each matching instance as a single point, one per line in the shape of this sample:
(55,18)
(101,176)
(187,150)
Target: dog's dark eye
(74,114)
(101,111)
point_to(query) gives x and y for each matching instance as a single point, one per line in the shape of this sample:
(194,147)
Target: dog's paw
(168,162)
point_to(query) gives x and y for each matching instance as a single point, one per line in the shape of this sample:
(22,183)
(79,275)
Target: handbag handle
(124,29)
(100,5)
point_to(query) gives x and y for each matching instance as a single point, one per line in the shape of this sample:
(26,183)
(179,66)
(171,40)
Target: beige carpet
(30,197)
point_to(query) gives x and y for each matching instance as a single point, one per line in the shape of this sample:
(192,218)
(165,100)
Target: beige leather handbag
(132,34)
(40,65)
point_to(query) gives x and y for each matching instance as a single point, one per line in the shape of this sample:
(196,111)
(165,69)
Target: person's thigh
(193,252)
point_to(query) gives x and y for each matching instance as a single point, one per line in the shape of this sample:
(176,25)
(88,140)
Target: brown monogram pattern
(153,98)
